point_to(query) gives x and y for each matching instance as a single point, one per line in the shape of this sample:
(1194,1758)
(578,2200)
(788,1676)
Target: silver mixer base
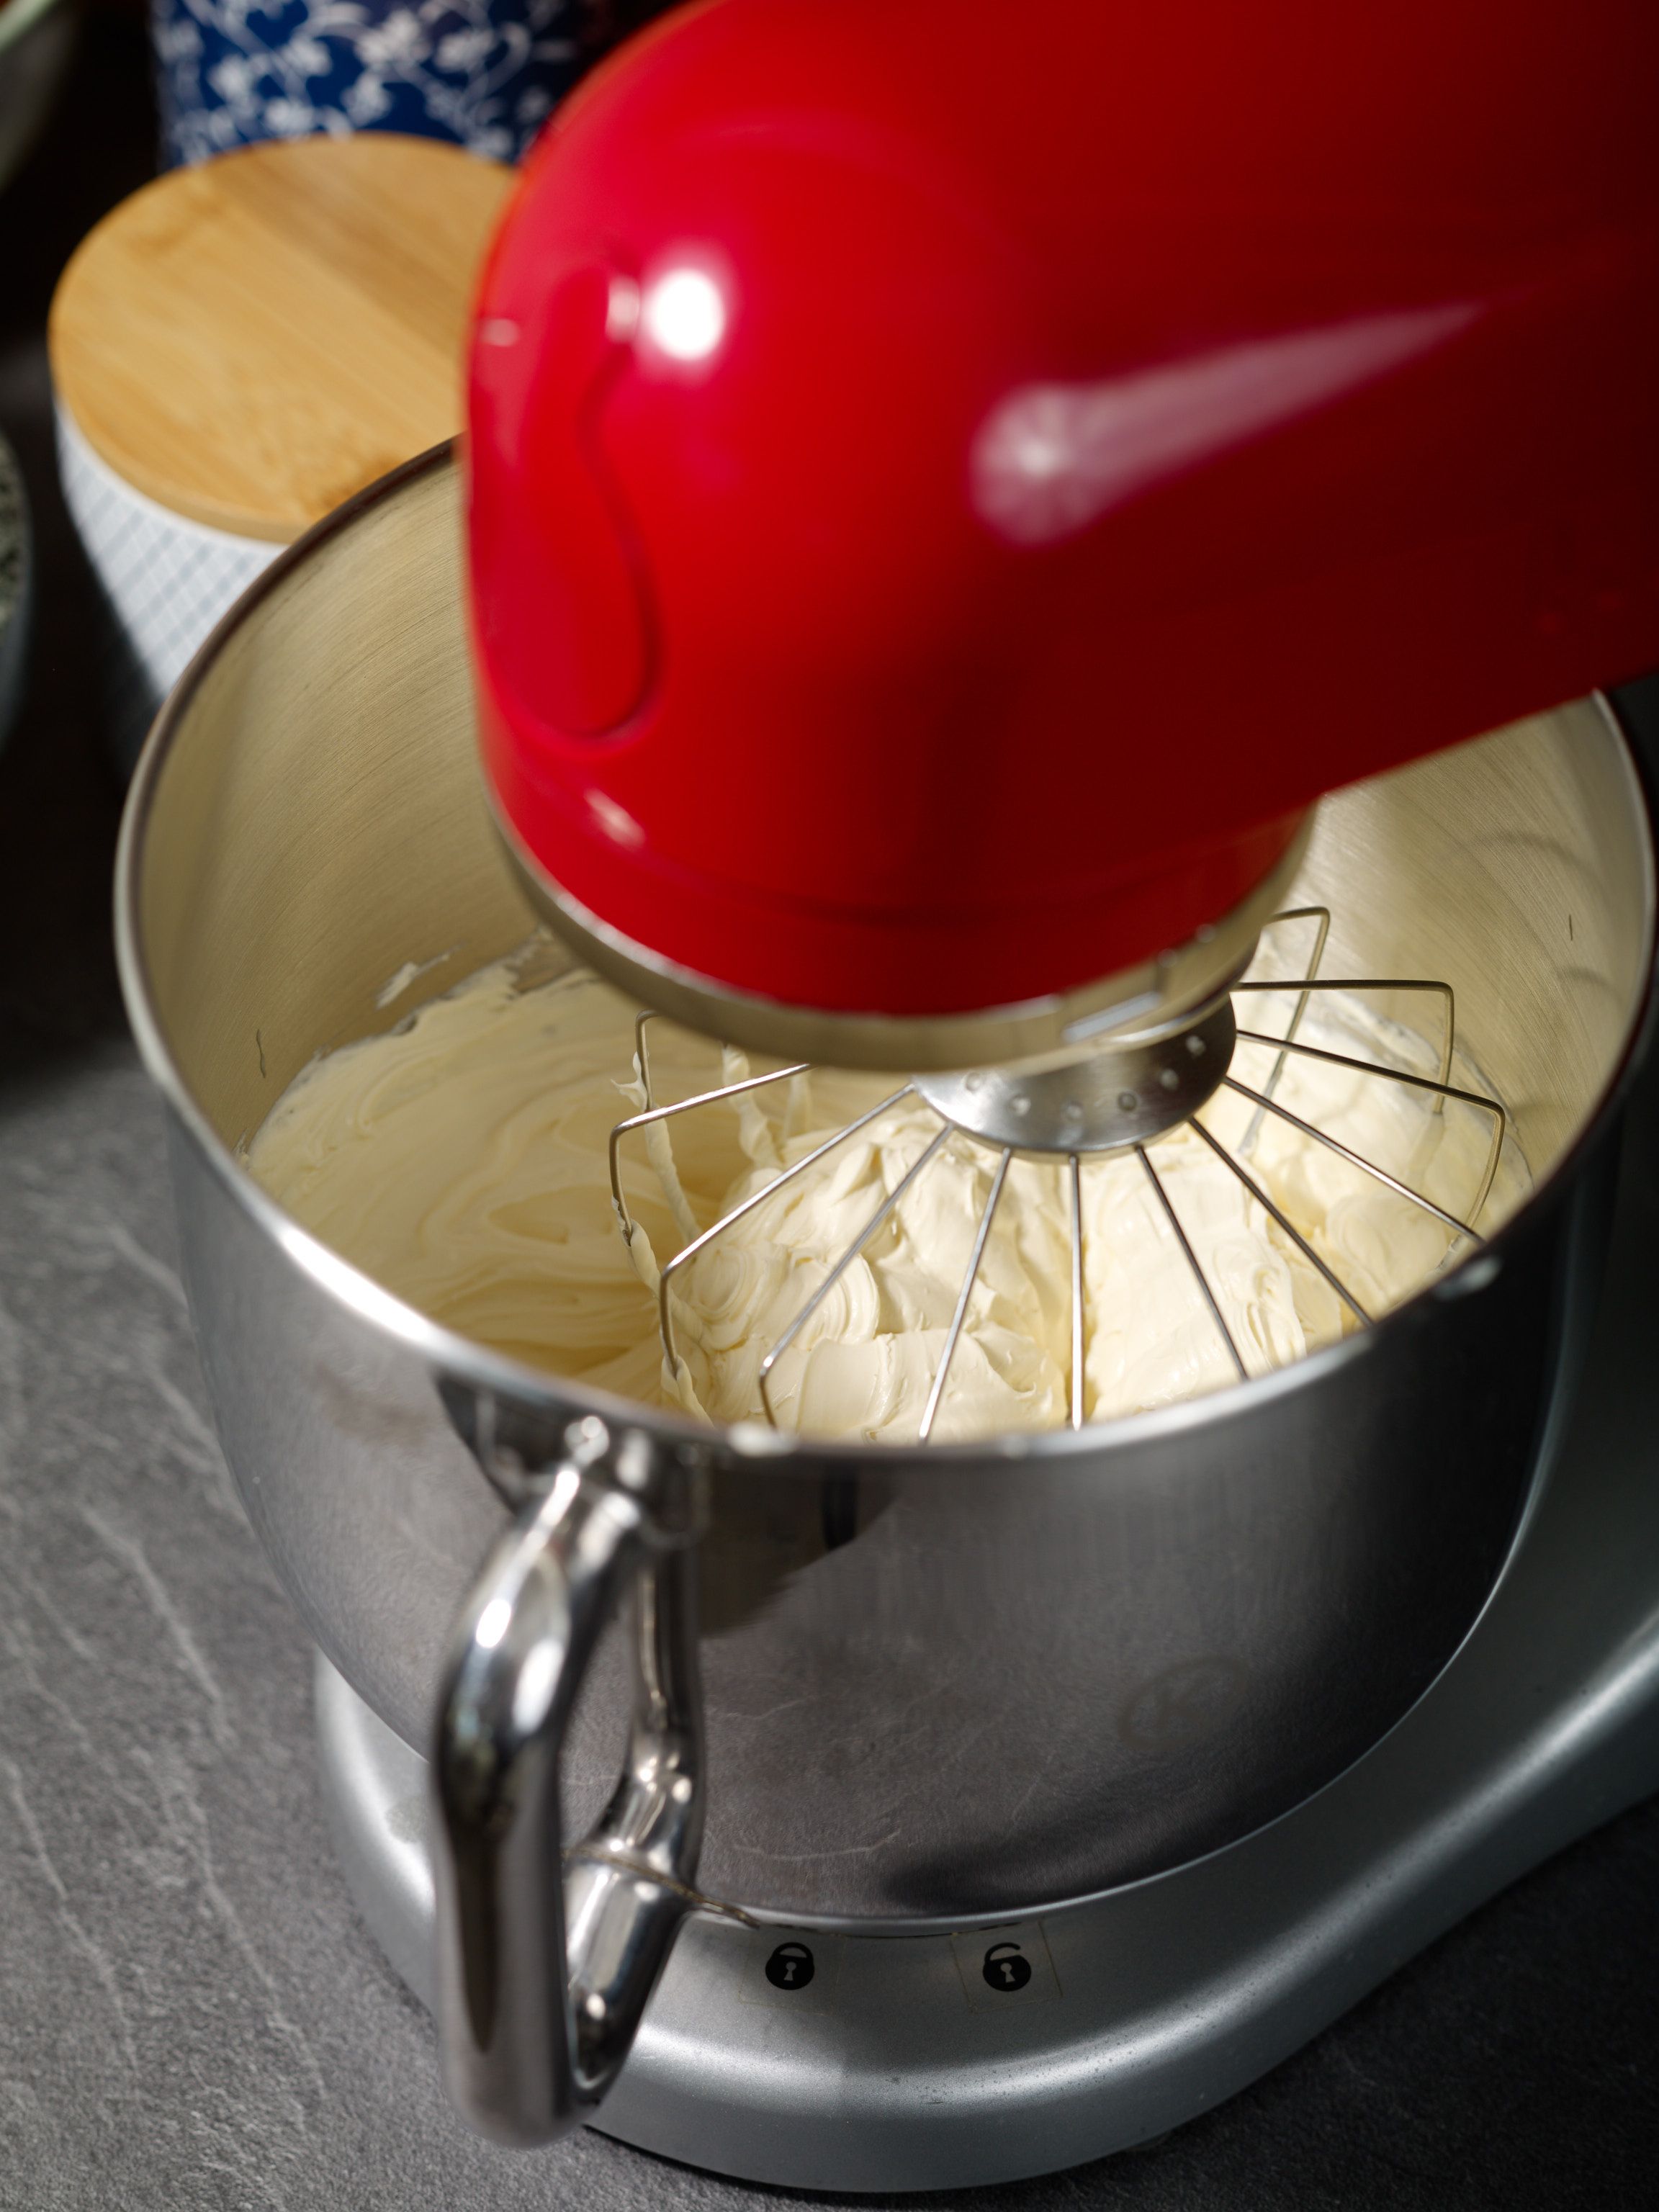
(926,2060)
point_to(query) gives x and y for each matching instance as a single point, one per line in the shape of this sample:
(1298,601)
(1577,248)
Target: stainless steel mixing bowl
(934,1682)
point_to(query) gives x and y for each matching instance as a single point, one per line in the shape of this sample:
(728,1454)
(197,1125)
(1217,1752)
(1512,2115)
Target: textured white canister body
(168,579)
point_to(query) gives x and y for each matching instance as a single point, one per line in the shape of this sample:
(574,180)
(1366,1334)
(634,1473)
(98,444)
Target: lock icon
(1006,1967)
(790,1967)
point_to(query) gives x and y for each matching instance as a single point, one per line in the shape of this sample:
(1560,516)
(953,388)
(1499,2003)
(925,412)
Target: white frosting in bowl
(461,1161)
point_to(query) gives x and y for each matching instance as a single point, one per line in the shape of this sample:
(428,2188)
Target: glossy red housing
(950,485)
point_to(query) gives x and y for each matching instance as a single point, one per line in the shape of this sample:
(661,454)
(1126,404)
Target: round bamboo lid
(251,340)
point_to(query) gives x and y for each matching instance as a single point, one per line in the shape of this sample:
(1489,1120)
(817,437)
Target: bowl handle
(542,1983)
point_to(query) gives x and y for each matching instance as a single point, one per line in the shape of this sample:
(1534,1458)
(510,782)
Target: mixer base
(919,2061)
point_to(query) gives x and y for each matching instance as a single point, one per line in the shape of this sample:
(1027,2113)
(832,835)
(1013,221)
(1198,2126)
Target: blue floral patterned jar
(484,73)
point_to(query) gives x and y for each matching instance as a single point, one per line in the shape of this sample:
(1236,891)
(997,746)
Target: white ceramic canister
(239,347)
(168,577)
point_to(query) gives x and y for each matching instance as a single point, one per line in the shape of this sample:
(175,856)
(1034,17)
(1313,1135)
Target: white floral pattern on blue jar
(482,73)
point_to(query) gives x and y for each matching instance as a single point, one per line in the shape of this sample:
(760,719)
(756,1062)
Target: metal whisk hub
(1116,1096)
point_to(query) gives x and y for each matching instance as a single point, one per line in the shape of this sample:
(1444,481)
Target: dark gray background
(190,2015)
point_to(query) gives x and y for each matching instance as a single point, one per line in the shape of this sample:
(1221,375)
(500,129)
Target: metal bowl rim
(461,1358)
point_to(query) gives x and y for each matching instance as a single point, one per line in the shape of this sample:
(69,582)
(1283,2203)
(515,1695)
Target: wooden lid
(250,341)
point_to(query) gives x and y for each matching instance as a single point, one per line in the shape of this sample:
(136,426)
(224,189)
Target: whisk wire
(839,1268)
(1262,1101)
(641,1057)
(689,1252)
(1308,985)
(1193,1261)
(1074,1167)
(1356,1159)
(1285,1223)
(953,1335)
(654,1113)
(1321,915)
(1500,1119)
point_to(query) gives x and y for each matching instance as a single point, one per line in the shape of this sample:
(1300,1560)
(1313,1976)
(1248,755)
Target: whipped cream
(461,1161)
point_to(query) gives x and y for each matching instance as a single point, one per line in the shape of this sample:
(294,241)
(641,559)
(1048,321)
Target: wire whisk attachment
(1217,1030)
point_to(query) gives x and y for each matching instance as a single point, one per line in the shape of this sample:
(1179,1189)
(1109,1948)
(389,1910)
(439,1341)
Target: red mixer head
(950,489)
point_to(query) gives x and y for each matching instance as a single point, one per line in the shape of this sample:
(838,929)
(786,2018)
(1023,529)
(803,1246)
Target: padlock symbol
(1006,1967)
(790,1967)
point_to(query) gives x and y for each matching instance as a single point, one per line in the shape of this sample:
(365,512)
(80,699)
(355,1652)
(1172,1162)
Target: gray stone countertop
(190,2015)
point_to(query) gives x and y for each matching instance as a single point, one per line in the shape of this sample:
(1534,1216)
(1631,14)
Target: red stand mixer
(941,515)
(950,490)
(939,519)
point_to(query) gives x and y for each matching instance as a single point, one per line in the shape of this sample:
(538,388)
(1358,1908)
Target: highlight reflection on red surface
(955,507)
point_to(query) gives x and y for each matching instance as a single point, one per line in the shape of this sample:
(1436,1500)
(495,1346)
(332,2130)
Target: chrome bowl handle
(542,1982)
